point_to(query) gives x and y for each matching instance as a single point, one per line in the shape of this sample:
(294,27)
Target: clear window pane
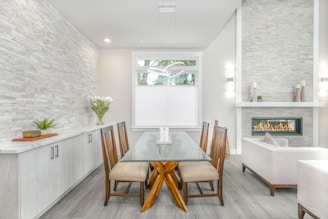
(145,78)
(164,63)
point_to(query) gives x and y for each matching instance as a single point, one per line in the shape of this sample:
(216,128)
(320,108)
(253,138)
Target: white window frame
(192,55)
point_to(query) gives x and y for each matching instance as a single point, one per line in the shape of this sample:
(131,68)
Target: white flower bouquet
(100,105)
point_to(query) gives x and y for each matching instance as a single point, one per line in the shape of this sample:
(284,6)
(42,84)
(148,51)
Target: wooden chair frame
(110,161)
(218,148)
(123,138)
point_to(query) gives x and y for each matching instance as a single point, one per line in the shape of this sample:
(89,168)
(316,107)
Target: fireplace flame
(277,127)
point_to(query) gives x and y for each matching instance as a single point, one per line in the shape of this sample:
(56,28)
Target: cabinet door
(29,184)
(97,147)
(65,156)
(90,157)
(48,180)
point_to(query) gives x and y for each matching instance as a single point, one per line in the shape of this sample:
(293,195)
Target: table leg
(164,173)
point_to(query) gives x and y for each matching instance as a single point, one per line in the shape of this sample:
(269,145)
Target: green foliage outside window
(188,77)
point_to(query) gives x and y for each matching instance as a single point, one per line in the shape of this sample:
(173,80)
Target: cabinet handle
(89,138)
(52,154)
(57,151)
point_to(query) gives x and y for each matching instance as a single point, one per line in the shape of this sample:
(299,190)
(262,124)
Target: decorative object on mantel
(44,124)
(298,93)
(303,91)
(254,97)
(36,138)
(259,99)
(100,106)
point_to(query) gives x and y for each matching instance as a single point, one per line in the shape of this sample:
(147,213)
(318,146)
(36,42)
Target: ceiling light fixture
(166,8)
(107,40)
(166,72)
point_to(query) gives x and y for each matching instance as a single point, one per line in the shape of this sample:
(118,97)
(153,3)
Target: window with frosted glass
(166,90)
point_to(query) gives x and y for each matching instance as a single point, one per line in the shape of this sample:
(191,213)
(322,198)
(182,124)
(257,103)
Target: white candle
(254,85)
(303,83)
(298,86)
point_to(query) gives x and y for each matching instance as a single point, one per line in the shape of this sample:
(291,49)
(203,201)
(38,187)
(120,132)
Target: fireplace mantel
(280,104)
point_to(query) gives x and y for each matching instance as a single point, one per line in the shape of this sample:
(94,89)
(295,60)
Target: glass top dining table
(182,148)
(165,158)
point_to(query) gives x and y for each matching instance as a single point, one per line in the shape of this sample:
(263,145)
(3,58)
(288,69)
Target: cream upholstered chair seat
(193,163)
(129,171)
(203,171)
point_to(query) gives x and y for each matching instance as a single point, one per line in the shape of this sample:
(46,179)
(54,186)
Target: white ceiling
(138,24)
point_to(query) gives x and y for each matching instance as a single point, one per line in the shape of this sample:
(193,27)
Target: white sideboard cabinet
(33,180)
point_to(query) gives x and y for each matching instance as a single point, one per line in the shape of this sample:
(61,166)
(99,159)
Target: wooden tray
(35,138)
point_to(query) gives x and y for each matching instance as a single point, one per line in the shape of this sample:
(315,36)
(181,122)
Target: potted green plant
(44,124)
(259,99)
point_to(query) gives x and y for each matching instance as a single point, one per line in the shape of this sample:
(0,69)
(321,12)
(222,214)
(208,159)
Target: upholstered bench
(312,188)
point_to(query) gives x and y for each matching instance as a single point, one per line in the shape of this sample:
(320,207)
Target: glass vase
(100,120)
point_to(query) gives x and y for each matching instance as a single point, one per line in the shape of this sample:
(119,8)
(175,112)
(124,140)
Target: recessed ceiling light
(107,40)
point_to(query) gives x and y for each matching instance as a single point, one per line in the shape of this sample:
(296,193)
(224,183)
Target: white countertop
(16,147)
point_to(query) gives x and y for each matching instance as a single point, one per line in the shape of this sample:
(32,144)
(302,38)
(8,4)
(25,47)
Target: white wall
(323,59)
(115,80)
(216,104)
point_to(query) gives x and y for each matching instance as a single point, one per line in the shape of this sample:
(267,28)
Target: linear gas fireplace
(277,126)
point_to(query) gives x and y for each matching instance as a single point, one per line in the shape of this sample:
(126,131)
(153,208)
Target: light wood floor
(244,196)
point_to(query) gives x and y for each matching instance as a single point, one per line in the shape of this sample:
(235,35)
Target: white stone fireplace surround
(271,53)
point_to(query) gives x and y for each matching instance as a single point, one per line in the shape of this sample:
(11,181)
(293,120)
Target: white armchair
(312,188)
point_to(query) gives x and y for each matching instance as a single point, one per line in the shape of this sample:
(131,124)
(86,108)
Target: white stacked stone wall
(277,53)
(47,67)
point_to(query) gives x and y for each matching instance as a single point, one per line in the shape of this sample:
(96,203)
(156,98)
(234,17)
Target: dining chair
(120,171)
(208,171)
(123,138)
(203,145)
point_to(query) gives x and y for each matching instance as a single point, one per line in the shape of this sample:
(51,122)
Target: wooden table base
(164,171)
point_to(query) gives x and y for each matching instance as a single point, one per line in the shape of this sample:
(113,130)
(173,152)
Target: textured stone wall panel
(47,67)
(277,53)
(277,48)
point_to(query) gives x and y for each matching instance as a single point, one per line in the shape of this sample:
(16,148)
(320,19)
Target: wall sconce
(323,84)
(230,80)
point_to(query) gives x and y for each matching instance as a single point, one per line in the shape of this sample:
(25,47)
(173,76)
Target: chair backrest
(108,148)
(123,138)
(218,147)
(204,136)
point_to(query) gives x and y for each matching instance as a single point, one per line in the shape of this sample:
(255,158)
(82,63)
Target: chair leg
(115,185)
(220,192)
(211,185)
(107,195)
(185,192)
(142,192)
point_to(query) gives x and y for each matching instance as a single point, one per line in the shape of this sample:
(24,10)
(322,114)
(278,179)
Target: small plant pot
(259,99)
(44,132)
